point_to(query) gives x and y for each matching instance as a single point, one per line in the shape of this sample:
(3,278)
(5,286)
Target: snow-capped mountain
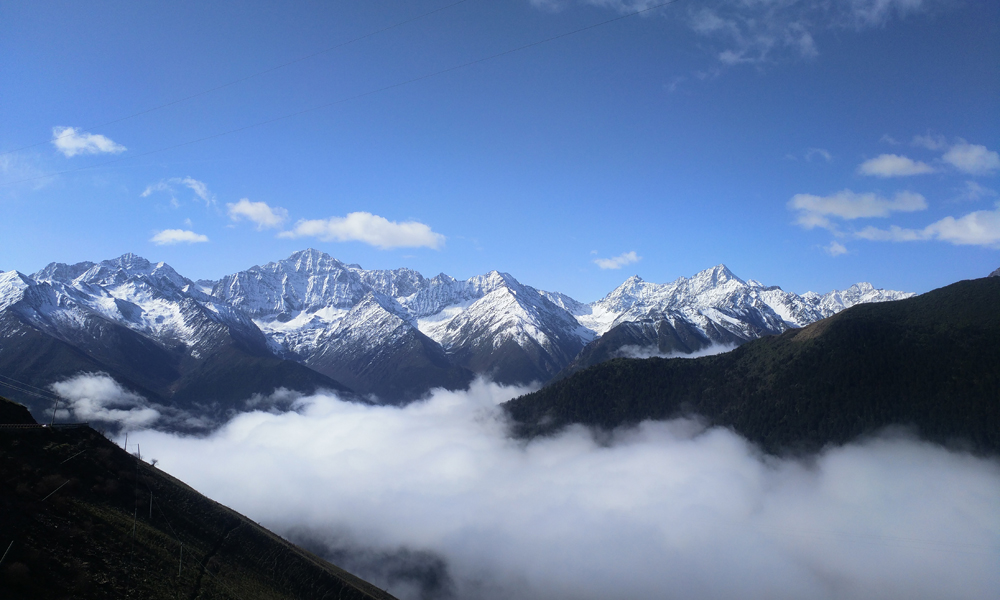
(148,298)
(392,333)
(327,314)
(714,307)
(148,327)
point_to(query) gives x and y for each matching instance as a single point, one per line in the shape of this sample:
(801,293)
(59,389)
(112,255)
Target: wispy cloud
(199,188)
(370,229)
(816,211)
(758,32)
(25,169)
(973,159)
(973,192)
(893,165)
(260,213)
(980,228)
(835,248)
(168,237)
(72,141)
(619,261)
(812,153)
(930,141)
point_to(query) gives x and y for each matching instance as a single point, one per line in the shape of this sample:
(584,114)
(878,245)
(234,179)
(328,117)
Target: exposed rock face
(394,334)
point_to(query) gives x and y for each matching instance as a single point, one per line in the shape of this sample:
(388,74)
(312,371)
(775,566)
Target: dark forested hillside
(932,362)
(80,518)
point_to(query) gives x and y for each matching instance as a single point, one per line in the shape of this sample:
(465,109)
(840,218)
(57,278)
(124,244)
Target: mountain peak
(62,272)
(129,262)
(720,273)
(312,260)
(12,286)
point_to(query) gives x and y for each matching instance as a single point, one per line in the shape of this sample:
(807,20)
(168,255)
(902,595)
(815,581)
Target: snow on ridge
(309,298)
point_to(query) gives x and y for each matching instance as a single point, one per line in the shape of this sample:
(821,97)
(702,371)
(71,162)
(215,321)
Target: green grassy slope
(932,361)
(76,515)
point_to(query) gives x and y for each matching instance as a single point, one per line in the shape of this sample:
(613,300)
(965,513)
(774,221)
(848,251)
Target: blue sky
(807,145)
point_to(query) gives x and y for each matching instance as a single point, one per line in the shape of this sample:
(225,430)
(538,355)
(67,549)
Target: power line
(27,385)
(30,392)
(240,80)
(354,97)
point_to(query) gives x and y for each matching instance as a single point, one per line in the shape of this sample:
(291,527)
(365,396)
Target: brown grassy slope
(77,509)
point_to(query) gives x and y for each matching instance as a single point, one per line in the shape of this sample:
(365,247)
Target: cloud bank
(71,141)
(816,211)
(433,500)
(979,228)
(619,261)
(370,229)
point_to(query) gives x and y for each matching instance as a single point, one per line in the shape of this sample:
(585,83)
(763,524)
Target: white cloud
(820,152)
(888,139)
(758,32)
(370,229)
(815,211)
(257,212)
(72,141)
(973,192)
(97,397)
(619,261)
(835,248)
(980,228)
(199,188)
(661,510)
(177,236)
(893,165)
(644,352)
(878,12)
(972,158)
(160,186)
(550,5)
(930,142)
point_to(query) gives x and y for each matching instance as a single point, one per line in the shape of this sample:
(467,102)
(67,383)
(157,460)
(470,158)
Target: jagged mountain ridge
(395,333)
(145,325)
(713,307)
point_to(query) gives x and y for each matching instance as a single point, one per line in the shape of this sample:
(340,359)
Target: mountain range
(311,321)
(931,362)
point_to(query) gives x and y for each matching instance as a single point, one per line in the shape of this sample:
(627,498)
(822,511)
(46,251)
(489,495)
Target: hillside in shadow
(931,362)
(81,518)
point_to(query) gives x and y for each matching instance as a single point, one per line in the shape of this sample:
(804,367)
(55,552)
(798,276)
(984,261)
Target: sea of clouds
(434,500)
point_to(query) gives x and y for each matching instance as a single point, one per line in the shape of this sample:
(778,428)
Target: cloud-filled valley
(435,500)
